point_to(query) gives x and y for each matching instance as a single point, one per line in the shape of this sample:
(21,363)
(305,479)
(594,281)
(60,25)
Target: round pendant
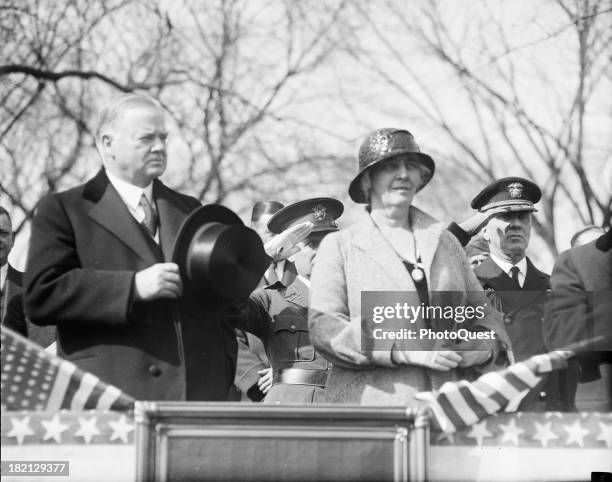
(417,274)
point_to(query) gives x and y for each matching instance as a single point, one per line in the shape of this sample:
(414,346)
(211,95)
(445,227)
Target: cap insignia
(516,190)
(320,212)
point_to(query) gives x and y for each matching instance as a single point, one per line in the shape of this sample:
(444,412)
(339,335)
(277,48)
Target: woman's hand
(474,352)
(442,360)
(471,358)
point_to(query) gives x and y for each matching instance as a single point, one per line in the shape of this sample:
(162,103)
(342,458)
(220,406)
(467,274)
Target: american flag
(459,404)
(35,380)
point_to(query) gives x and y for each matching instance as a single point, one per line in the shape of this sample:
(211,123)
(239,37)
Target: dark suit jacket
(523,312)
(581,309)
(85,250)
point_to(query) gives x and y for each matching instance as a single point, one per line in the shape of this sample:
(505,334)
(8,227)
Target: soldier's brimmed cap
(320,211)
(513,193)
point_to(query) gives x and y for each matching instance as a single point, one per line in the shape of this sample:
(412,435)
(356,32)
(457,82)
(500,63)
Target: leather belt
(300,376)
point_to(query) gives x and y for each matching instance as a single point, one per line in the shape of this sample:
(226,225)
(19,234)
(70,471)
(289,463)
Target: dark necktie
(150,220)
(514,271)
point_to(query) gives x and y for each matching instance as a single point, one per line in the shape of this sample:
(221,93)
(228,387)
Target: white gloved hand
(478,220)
(284,245)
(442,360)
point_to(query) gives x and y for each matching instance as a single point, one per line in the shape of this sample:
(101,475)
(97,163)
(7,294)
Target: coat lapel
(535,279)
(427,233)
(372,243)
(491,274)
(110,212)
(170,218)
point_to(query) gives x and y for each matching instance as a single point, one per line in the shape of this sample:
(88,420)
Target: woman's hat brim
(357,194)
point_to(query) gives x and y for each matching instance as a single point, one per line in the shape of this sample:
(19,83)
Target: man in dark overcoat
(580,311)
(516,287)
(98,268)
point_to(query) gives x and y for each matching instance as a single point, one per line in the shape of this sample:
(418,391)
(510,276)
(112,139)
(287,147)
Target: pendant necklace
(417,272)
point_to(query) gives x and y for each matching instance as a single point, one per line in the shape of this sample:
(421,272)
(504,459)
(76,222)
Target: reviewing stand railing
(221,441)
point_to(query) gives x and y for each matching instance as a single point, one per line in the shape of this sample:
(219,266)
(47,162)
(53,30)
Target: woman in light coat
(396,247)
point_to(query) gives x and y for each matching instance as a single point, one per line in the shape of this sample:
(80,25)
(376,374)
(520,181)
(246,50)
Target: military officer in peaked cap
(278,314)
(518,289)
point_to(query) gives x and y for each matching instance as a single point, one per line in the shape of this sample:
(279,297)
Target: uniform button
(293,327)
(155,371)
(507,320)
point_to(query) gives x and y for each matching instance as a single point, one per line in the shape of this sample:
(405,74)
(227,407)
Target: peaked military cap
(513,193)
(321,211)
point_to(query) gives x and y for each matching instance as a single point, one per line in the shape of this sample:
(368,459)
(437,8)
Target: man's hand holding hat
(162,280)
(284,245)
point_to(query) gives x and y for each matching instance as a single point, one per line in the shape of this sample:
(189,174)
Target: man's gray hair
(118,106)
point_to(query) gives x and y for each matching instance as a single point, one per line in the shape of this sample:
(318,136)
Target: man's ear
(484,232)
(106,144)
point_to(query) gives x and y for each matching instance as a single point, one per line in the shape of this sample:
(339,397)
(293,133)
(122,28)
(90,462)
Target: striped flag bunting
(33,379)
(535,430)
(459,404)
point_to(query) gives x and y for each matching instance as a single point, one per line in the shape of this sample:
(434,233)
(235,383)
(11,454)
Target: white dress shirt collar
(130,193)
(507,266)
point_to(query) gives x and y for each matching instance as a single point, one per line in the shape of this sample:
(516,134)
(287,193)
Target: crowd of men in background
(104,286)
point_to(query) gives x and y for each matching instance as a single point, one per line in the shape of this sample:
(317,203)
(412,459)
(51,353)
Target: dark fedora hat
(381,145)
(219,258)
(322,212)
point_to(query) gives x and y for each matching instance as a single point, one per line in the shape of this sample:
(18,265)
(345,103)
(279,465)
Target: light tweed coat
(361,259)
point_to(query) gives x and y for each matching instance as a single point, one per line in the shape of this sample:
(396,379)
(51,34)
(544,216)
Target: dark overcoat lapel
(171,216)
(522,309)
(109,210)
